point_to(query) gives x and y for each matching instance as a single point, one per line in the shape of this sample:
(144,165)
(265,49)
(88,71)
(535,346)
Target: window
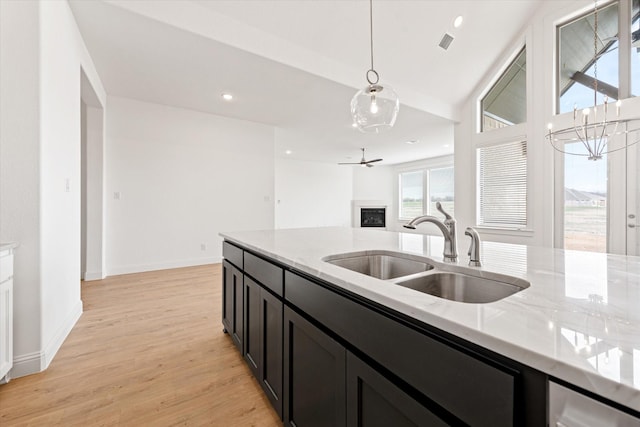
(585,201)
(411,194)
(576,67)
(506,102)
(441,190)
(502,182)
(420,190)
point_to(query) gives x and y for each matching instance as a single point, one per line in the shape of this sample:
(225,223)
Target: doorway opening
(92,251)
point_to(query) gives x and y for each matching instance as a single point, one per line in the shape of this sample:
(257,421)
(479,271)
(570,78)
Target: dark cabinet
(374,401)
(252,325)
(314,377)
(232,301)
(478,392)
(263,339)
(325,357)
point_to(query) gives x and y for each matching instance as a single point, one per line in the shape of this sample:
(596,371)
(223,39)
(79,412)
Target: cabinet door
(252,325)
(477,392)
(271,348)
(374,401)
(227,295)
(6,327)
(232,301)
(314,375)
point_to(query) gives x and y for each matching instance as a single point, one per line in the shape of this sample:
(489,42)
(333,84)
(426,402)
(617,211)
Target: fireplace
(372,217)
(369,213)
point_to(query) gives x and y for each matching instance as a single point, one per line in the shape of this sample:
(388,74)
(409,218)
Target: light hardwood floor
(148,351)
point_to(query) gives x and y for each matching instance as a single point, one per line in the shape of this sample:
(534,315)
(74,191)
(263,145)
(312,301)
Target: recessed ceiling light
(412,141)
(227,96)
(446,145)
(354,125)
(288,152)
(458,21)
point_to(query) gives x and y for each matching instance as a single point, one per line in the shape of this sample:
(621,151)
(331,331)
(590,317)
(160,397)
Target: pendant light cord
(371,29)
(371,71)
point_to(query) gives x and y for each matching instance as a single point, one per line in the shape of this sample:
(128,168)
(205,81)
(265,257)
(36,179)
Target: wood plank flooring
(148,351)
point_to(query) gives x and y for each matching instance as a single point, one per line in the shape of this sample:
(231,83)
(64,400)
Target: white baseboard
(93,275)
(26,364)
(38,361)
(55,343)
(113,271)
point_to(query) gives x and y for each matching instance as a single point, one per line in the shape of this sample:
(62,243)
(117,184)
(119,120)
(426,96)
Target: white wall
(312,194)
(20,167)
(94,235)
(42,58)
(376,183)
(183,177)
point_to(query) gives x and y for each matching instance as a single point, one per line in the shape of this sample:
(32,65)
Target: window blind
(502,182)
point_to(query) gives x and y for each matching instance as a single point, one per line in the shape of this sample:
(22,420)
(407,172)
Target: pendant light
(374,108)
(595,127)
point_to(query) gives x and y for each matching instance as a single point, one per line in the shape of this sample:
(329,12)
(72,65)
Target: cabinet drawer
(269,275)
(6,266)
(476,392)
(233,254)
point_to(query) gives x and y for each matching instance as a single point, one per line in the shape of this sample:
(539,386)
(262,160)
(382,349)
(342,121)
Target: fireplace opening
(372,217)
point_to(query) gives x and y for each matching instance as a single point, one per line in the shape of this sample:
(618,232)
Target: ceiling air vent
(446,41)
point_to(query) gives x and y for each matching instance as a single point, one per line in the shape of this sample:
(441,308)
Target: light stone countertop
(7,246)
(578,321)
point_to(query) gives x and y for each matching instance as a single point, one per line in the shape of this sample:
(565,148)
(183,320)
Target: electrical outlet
(203,246)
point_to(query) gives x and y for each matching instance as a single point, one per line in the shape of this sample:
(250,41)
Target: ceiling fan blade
(373,161)
(368,165)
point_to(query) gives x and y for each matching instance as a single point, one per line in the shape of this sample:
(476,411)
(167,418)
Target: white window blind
(502,181)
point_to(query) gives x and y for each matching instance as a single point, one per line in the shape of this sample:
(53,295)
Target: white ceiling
(295,64)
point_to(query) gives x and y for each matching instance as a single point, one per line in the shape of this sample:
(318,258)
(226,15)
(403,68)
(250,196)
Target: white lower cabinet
(6,313)
(568,408)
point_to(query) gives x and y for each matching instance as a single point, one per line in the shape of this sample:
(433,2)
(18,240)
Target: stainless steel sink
(462,287)
(380,264)
(452,282)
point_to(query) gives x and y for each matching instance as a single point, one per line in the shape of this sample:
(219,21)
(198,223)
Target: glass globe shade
(374,109)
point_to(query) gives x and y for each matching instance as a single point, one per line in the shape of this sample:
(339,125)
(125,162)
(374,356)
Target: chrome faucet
(448,228)
(474,247)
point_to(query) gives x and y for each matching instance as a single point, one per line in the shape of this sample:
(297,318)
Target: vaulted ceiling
(295,64)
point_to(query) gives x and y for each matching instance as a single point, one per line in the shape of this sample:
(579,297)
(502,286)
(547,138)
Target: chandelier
(594,128)
(375,108)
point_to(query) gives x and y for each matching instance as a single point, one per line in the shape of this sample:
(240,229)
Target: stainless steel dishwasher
(568,408)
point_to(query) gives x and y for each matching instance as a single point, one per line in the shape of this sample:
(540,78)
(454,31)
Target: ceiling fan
(363,162)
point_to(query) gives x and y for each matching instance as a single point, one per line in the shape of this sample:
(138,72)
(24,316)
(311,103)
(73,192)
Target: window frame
(522,131)
(581,14)
(424,166)
(507,227)
(625,77)
(495,80)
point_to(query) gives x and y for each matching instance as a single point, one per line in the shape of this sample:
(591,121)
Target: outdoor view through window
(585,182)
(585,202)
(439,188)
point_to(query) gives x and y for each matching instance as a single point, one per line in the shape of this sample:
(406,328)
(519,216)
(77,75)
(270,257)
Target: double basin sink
(447,281)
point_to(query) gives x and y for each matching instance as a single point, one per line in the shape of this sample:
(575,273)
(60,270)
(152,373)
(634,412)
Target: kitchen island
(577,325)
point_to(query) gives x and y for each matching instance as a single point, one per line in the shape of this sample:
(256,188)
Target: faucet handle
(474,247)
(446,215)
(468,232)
